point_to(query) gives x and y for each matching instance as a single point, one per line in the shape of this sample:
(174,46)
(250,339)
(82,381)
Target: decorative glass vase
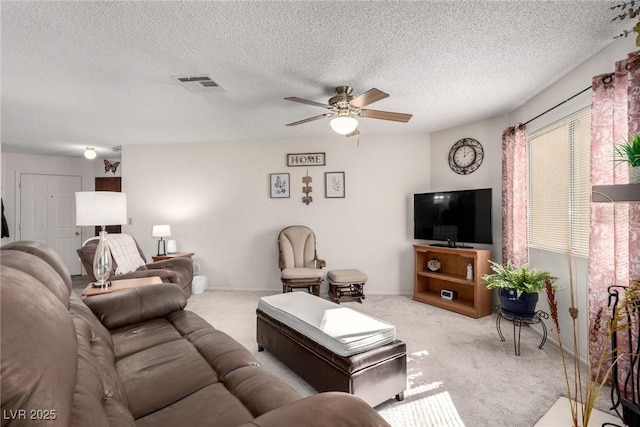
(102,261)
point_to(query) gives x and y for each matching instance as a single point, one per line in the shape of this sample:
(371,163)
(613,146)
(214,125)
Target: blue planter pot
(525,306)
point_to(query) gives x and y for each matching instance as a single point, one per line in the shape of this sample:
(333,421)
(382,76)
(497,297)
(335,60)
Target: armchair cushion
(301,273)
(297,245)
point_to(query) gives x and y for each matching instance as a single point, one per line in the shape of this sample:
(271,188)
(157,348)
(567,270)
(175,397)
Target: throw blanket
(125,252)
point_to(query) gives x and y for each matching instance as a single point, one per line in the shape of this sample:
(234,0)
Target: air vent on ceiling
(198,83)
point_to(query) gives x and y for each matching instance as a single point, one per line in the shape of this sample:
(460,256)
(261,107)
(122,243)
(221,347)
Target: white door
(48,214)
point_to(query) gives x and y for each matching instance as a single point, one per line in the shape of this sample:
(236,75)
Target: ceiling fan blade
(369,97)
(307,101)
(310,119)
(386,115)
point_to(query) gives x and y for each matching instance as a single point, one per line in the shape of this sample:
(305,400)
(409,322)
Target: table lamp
(161,231)
(101,208)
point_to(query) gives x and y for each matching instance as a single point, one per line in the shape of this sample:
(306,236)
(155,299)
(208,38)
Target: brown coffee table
(118,285)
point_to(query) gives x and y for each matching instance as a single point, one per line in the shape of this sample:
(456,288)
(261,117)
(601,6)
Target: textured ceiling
(98,73)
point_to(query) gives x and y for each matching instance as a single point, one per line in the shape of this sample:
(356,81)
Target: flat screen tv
(455,217)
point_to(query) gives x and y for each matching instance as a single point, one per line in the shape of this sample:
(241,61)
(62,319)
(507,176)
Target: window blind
(559,185)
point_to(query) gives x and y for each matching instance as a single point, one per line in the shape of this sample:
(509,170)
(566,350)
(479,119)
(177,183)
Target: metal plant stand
(625,390)
(518,321)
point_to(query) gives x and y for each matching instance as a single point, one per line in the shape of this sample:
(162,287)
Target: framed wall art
(279,185)
(334,185)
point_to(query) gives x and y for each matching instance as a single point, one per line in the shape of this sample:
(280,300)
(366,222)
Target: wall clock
(466,156)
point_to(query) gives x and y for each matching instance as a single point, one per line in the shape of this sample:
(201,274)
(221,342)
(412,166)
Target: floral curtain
(514,196)
(614,243)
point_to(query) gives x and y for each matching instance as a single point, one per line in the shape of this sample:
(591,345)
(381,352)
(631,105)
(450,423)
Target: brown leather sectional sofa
(134,358)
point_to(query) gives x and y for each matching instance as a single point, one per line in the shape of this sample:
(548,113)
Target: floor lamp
(101,208)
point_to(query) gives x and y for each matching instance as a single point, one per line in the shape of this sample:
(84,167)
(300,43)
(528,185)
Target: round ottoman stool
(346,285)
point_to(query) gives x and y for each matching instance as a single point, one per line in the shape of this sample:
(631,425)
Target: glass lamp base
(102,262)
(99,285)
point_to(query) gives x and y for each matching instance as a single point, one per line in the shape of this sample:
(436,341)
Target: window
(559,185)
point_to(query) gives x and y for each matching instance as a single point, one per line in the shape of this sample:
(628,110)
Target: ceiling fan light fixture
(343,124)
(90,153)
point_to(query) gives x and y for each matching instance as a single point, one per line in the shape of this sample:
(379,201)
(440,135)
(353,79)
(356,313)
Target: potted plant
(629,152)
(518,287)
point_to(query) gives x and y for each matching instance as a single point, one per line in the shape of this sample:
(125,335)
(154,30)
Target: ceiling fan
(343,107)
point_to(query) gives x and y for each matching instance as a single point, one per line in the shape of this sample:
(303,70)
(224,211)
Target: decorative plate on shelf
(434,265)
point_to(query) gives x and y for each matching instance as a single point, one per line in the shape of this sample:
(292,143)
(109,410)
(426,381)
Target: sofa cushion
(149,354)
(99,394)
(133,305)
(36,333)
(162,375)
(45,275)
(45,253)
(227,411)
(136,337)
(259,390)
(221,351)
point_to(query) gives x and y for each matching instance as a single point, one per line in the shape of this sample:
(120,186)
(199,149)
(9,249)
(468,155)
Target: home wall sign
(306,159)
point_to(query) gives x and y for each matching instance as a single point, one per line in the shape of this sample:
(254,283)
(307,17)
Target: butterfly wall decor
(111,166)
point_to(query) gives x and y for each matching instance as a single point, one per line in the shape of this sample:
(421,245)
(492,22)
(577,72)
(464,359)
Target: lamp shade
(343,125)
(101,208)
(161,231)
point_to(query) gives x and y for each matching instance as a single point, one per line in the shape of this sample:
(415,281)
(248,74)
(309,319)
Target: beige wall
(216,199)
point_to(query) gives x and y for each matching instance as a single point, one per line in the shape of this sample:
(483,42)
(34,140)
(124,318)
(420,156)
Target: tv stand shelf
(473,298)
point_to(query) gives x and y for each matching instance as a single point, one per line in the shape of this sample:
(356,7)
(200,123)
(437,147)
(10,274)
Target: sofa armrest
(134,305)
(321,410)
(171,264)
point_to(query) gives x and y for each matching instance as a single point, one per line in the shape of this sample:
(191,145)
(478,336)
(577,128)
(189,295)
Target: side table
(518,321)
(117,285)
(174,255)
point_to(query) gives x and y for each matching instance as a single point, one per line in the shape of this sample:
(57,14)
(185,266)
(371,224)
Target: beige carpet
(459,372)
(560,415)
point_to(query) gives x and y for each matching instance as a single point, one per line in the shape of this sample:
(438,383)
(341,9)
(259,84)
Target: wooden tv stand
(473,298)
